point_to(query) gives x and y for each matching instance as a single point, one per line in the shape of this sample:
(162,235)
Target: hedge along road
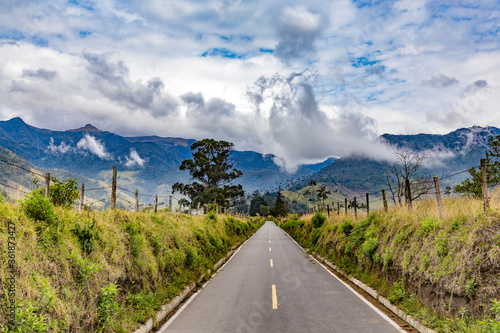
(271,285)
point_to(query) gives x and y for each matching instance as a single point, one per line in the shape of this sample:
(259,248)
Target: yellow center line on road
(275,298)
(269,241)
(271,262)
(269,249)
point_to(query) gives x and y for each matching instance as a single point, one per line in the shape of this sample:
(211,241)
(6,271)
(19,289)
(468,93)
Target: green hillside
(106,271)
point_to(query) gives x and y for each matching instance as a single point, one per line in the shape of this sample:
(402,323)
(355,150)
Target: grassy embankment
(444,272)
(106,271)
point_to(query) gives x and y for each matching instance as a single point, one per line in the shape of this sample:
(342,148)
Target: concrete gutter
(375,294)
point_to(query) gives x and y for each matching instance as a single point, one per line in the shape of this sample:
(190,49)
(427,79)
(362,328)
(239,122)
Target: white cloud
(128,68)
(94,146)
(134,159)
(62,148)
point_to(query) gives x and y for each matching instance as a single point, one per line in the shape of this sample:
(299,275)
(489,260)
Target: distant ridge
(86,128)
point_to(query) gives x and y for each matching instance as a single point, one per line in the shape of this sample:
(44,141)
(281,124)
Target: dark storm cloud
(213,109)
(40,73)
(297,32)
(113,81)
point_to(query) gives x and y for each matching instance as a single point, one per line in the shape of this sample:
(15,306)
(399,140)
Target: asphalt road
(271,285)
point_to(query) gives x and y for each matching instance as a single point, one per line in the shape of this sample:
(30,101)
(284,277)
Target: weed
(427,226)
(85,268)
(86,236)
(400,237)
(457,222)
(442,246)
(397,292)
(470,287)
(27,319)
(48,297)
(315,236)
(388,258)
(426,262)
(107,305)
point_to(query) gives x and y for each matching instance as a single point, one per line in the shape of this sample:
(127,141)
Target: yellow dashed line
(269,249)
(275,298)
(271,262)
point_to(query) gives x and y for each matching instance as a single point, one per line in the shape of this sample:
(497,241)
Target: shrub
(346,226)
(318,219)
(212,215)
(39,208)
(62,192)
(369,247)
(191,257)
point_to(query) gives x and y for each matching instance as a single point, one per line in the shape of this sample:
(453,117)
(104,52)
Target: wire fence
(400,195)
(105,200)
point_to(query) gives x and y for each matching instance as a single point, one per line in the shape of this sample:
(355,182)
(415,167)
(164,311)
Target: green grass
(107,271)
(434,269)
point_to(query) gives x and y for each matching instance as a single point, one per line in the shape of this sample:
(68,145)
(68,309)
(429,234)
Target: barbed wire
(416,184)
(98,188)
(125,200)
(12,187)
(22,168)
(458,173)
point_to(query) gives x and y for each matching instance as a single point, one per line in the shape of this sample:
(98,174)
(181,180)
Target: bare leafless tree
(405,168)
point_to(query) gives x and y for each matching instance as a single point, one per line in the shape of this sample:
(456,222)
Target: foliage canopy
(213,171)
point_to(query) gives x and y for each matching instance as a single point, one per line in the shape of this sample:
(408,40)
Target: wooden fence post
(82,197)
(113,190)
(355,209)
(345,206)
(438,196)
(328,209)
(338,208)
(47,184)
(485,183)
(136,200)
(198,209)
(367,204)
(384,199)
(170,203)
(156,203)
(408,195)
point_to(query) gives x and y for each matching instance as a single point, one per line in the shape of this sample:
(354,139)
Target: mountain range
(151,163)
(148,163)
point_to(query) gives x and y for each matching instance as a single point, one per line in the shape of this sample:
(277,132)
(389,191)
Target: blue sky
(300,79)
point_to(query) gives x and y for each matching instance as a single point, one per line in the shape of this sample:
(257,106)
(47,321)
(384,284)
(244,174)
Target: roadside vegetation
(105,271)
(444,272)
